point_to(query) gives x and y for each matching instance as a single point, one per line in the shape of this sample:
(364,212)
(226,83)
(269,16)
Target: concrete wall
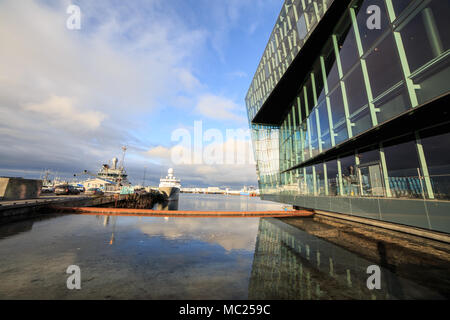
(19,189)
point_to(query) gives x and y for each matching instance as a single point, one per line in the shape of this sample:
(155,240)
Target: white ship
(170,186)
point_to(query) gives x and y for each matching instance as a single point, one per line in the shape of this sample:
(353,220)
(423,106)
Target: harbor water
(198,258)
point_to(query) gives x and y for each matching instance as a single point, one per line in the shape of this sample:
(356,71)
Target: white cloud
(218,108)
(61,112)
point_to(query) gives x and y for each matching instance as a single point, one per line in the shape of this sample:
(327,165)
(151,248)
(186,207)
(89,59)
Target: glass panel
(347,44)
(314,135)
(340,133)
(350,181)
(433,81)
(426,36)
(310,98)
(403,170)
(400,5)
(436,147)
(331,65)
(320,188)
(309,181)
(337,106)
(324,126)
(332,176)
(372,181)
(362,121)
(383,66)
(393,104)
(356,90)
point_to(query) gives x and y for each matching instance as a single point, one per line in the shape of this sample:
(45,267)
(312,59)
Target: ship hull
(172,193)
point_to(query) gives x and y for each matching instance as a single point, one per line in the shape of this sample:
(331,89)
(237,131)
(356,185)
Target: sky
(163,77)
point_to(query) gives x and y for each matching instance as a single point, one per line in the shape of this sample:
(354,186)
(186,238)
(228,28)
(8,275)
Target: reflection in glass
(384,72)
(405,177)
(332,178)
(436,147)
(392,104)
(356,90)
(350,181)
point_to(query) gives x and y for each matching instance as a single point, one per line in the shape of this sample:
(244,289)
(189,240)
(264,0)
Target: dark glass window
(318,79)
(393,104)
(310,96)
(383,65)
(314,134)
(370,173)
(356,90)
(333,178)
(324,126)
(337,106)
(320,182)
(350,183)
(330,65)
(309,178)
(362,121)
(426,36)
(347,44)
(403,170)
(400,5)
(436,147)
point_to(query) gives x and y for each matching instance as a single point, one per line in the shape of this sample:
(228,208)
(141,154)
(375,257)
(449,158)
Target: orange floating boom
(182,213)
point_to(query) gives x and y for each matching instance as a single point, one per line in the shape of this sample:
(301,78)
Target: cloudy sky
(139,73)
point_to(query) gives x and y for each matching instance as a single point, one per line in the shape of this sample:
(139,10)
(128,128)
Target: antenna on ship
(124,150)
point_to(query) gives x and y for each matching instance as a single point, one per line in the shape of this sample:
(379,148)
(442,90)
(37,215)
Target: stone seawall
(19,189)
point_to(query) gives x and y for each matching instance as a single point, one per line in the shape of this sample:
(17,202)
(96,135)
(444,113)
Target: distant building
(100,184)
(349,109)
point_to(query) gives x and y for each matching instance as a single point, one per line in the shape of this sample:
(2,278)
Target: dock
(18,210)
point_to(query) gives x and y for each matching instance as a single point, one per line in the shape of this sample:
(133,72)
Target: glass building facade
(349,109)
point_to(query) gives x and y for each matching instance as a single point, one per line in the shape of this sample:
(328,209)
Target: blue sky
(136,71)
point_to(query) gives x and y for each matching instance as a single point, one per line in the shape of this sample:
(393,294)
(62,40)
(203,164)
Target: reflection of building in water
(292,264)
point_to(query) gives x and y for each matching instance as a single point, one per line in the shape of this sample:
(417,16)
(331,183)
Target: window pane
(436,147)
(332,176)
(320,189)
(362,121)
(350,181)
(347,44)
(337,106)
(356,90)
(330,66)
(400,5)
(383,66)
(393,104)
(309,179)
(426,36)
(324,126)
(402,166)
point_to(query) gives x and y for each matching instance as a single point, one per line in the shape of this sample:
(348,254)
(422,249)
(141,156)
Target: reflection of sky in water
(129,257)
(192,258)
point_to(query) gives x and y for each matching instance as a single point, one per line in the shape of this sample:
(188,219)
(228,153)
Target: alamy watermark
(374,281)
(374,20)
(74,280)
(74,20)
(211,146)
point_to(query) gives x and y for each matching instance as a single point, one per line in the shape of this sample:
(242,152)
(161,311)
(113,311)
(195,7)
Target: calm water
(187,258)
